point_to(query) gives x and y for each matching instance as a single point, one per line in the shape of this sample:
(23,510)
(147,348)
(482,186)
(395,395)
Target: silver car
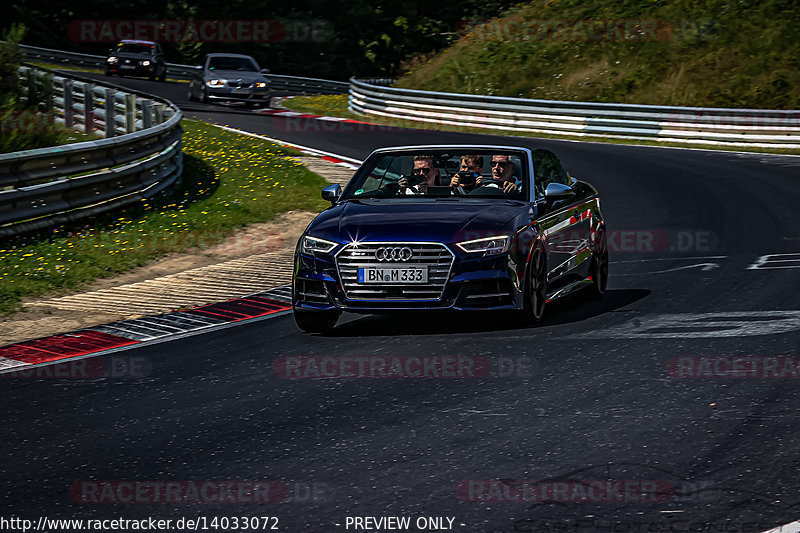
(230,78)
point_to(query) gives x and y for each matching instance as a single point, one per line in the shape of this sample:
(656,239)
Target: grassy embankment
(229,180)
(712,53)
(663,52)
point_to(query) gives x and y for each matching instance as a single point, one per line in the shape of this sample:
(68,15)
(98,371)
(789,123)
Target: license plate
(393,275)
(239,91)
(127,66)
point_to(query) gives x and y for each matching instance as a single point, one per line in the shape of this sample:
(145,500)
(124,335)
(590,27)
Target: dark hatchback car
(137,58)
(403,235)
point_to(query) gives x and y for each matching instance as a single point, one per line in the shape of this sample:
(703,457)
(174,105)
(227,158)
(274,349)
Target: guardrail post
(49,97)
(130,113)
(68,114)
(159,111)
(147,114)
(111,113)
(88,107)
(31,81)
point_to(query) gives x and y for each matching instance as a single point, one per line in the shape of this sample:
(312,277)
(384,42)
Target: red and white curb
(342,160)
(126,333)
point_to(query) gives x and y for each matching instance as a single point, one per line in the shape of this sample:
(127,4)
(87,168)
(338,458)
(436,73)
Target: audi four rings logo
(393,254)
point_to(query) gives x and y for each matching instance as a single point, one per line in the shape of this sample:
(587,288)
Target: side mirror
(264,71)
(332,193)
(558,191)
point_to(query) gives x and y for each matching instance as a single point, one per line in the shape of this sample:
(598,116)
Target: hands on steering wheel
(506,186)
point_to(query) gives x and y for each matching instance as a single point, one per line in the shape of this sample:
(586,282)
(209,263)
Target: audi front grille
(436,256)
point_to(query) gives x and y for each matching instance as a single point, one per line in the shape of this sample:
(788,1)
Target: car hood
(235,75)
(418,220)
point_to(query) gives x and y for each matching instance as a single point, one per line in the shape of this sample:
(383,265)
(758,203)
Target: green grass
(229,180)
(28,130)
(336,106)
(709,53)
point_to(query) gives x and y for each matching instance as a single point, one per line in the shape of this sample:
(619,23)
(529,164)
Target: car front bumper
(472,284)
(231,95)
(133,70)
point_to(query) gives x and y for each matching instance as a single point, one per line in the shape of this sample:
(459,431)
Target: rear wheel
(536,286)
(321,322)
(599,267)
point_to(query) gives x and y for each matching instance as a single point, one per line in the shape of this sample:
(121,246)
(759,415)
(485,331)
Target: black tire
(190,95)
(163,76)
(321,322)
(152,76)
(204,96)
(599,266)
(536,285)
(109,73)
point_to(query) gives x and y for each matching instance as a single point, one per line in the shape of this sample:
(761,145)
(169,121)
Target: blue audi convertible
(450,228)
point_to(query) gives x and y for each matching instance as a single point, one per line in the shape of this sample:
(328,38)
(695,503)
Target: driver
(424,168)
(503,171)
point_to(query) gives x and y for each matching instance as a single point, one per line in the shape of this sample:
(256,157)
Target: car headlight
(261,84)
(145,63)
(488,245)
(215,83)
(112,59)
(313,245)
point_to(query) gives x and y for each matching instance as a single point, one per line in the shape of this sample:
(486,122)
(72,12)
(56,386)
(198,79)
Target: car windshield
(438,173)
(129,48)
(244,64)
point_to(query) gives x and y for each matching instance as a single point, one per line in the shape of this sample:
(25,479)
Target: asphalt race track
(590,394)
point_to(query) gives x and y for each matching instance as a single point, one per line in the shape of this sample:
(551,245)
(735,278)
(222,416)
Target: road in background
(697,241)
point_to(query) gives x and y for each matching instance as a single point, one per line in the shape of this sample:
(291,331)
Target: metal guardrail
(695,125)
(292,84)
(140,156)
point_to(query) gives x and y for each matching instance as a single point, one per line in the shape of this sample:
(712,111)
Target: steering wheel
(488,187)
(485,182)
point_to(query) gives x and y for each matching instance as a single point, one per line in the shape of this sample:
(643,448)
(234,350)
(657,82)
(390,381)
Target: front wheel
(321,322)
(536,286)
(599,266)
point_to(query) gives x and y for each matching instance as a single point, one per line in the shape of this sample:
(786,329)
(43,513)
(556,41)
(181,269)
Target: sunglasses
(420,170)
(500,164)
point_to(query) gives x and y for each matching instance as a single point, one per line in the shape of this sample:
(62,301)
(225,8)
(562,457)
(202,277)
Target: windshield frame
(369,164)
(249,60)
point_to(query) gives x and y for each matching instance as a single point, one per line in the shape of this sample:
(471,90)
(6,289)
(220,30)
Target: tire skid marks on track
(99,339)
